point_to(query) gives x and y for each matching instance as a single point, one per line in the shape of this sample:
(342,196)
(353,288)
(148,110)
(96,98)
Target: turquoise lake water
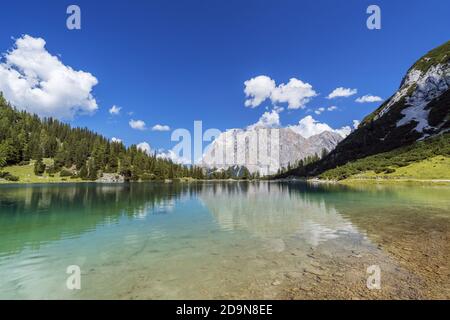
(262,240)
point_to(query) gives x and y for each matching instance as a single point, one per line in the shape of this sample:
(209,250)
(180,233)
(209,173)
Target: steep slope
(427,159)
(325,140)
(418,110)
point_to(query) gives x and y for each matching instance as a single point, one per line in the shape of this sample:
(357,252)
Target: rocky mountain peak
(265,150)
(425,82)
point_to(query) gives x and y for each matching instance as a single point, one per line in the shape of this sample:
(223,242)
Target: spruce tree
(92,170)
(83,172)
(39,167)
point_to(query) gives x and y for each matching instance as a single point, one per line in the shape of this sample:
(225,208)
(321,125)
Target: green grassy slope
(434,57)
(429,159)
(436,168)
(26,174)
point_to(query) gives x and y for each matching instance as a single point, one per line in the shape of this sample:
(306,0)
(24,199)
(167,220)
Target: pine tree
(2,155)
(39,167)
(92,170)
(83,173)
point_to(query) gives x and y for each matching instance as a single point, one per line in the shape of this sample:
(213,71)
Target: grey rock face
(265,150)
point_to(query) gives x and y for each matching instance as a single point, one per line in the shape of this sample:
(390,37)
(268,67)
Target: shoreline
(380,181)
(355,181)
(410,181)
(77,181)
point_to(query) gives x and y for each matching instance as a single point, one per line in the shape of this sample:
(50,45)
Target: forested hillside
(429,159)
(76,152)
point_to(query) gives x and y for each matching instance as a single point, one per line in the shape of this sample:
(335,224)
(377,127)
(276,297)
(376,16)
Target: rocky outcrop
(110,178)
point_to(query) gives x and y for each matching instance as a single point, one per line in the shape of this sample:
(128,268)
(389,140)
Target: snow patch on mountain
(411,78)
(428,87)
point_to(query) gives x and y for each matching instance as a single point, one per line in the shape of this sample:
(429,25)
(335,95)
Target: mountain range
(266,150)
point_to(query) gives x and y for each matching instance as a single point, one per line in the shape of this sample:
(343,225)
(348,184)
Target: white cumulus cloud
(308,127)
(342,92)
(117,140)
(257,90)
(319,111)
(278,109)
(163,154)
(268,120)
(34,80)
(295,93)
(332,108)
(137,124)
(115,110)
(171,155)
(145,147)
(368,99)
(160,127)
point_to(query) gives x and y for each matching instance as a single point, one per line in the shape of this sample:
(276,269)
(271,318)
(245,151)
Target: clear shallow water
(224,240)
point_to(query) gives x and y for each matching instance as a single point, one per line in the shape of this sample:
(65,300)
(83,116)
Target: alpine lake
(225,240)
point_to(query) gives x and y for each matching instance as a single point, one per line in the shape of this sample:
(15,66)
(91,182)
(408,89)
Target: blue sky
(173,62)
